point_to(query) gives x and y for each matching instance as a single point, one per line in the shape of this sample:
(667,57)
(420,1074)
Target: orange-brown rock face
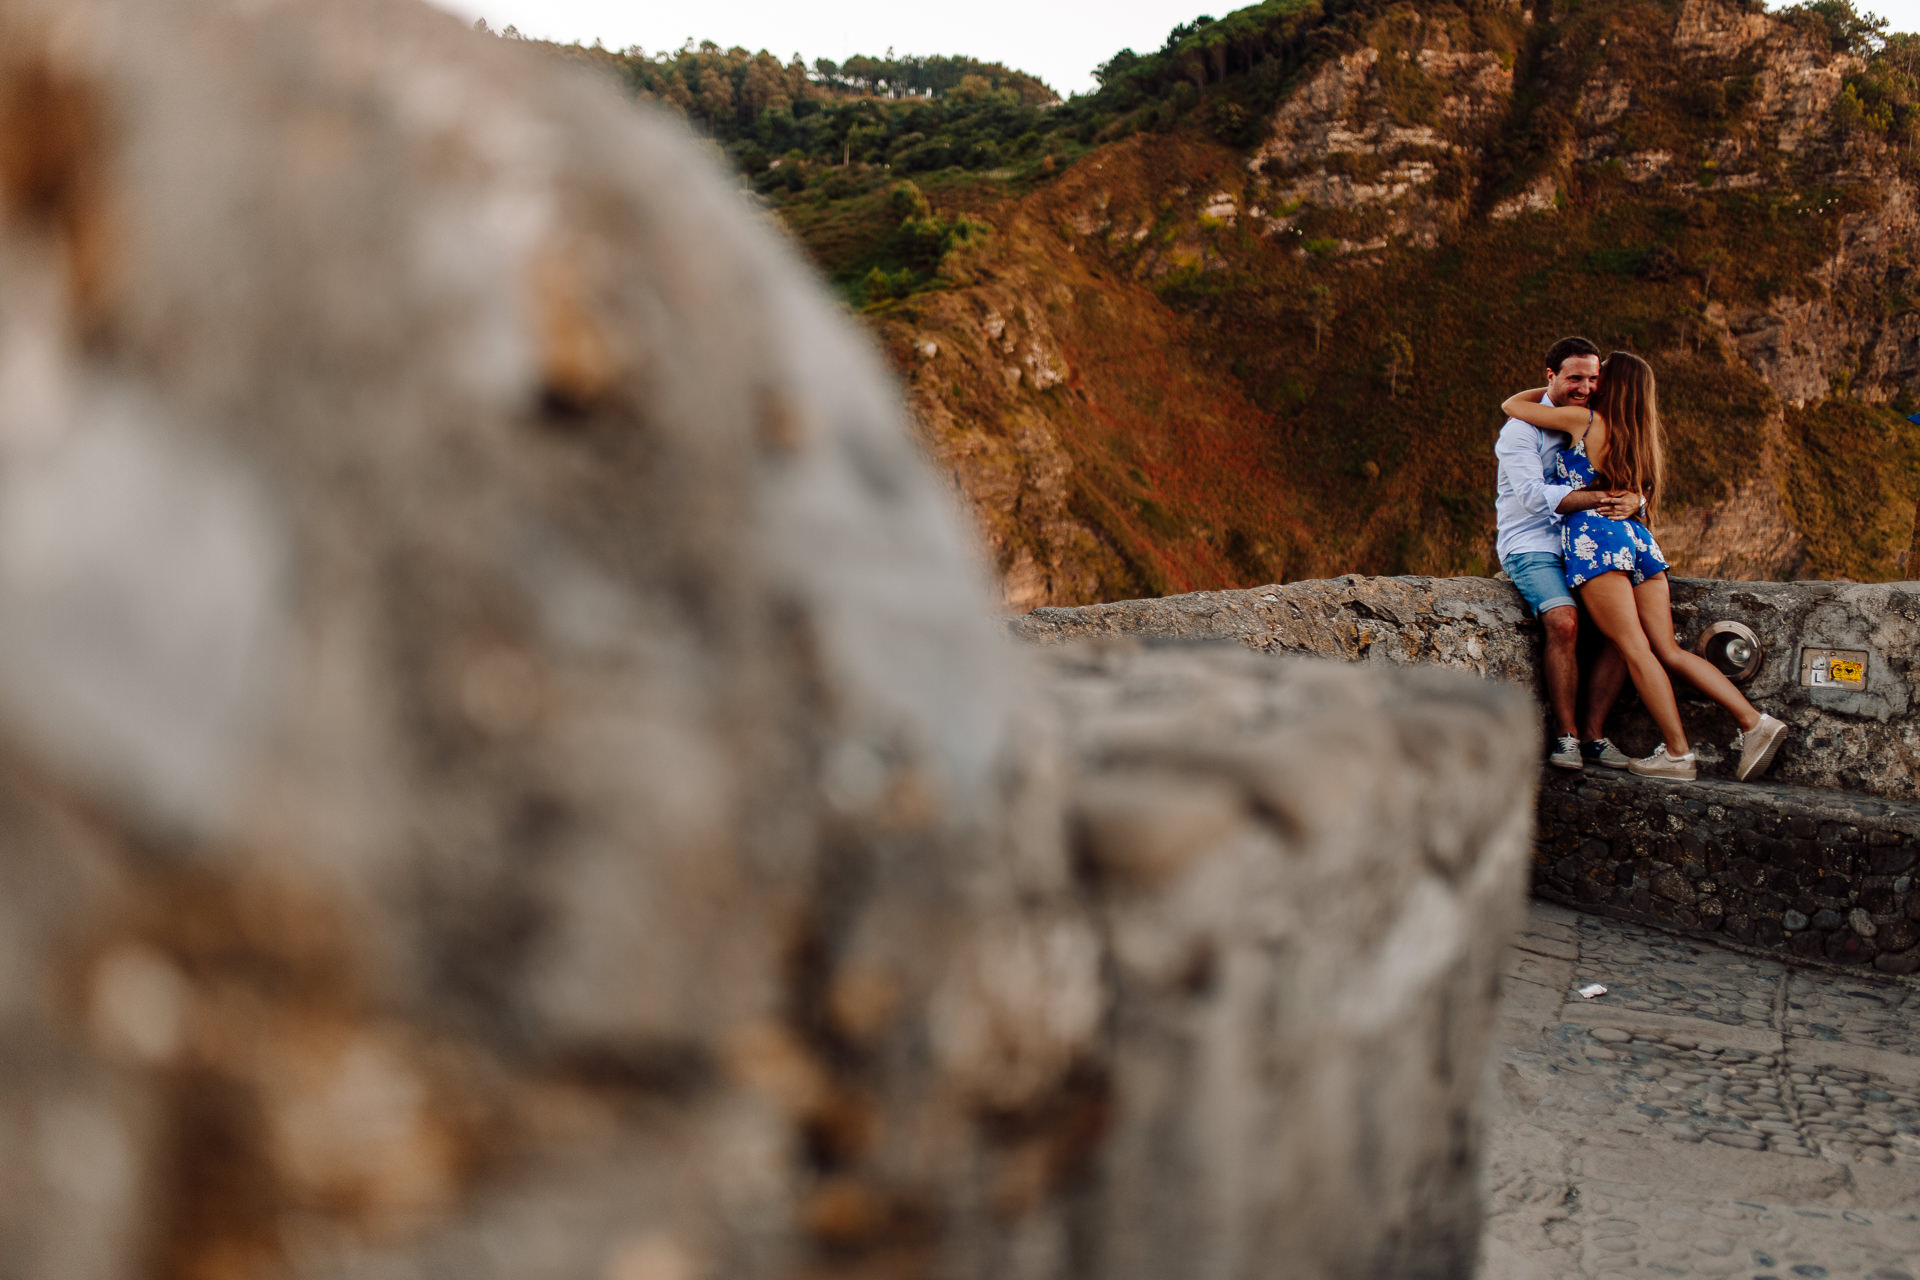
(1180,364)
(1063,400)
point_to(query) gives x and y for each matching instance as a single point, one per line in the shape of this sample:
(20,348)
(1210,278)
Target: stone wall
(1864,741)
(1467,624)
(1819,875)
(507,769)
(1814,863)
(1302,874)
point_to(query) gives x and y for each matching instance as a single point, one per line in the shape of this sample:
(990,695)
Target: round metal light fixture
(1732,648)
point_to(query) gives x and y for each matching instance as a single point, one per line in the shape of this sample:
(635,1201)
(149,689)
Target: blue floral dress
(1591,543)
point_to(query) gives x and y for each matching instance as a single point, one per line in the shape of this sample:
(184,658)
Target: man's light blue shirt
(1523,502)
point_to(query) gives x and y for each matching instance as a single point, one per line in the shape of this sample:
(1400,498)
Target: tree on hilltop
(1848,29)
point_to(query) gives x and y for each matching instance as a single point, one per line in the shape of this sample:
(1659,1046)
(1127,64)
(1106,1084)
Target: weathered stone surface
(1850,740)
(467,605)
(1468,624)
(506,769)
(1898,935)
(1804,869)
(1674,887)
(1806,895)
(1338,112)
(1601,1154)
(1339,779)
(1897,962)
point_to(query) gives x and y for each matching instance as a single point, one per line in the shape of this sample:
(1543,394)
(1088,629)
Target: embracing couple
(1580,463)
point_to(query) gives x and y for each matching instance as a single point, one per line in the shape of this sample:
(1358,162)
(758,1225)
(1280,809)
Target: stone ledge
(1809,874)
(1859,742)
(1816,867)
(1301,873)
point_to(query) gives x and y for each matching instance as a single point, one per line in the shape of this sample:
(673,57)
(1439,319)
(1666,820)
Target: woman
(1616,568)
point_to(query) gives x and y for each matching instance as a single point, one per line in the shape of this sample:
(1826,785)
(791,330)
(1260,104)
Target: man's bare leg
(1604,683)
(1562,626)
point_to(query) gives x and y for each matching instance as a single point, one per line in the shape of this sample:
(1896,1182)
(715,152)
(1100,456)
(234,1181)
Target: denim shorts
(1541,579)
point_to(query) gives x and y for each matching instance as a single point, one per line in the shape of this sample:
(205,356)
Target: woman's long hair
(1636,454)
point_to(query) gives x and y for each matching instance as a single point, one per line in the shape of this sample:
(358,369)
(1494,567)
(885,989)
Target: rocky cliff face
(1185,363)
(1337,142)
(1060,397)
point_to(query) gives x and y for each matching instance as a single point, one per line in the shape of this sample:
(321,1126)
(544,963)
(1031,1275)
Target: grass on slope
(1218,413)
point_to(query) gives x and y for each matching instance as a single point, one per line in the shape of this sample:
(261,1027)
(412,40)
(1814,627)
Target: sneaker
(1566,753)
(1662,765)
(1758,746)
(1602,752)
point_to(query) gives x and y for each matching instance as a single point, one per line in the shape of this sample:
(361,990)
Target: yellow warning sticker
(1834,668)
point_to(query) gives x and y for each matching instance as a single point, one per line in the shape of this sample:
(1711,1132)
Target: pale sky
(1061,41)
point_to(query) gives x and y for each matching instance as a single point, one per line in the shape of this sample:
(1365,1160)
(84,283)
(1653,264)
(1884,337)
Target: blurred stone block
(507,769)
(1302,950)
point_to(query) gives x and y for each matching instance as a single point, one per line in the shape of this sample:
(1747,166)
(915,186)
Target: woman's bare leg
(1610,600)
(1655,604)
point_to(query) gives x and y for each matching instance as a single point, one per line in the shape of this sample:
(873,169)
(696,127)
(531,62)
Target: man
(1528,506)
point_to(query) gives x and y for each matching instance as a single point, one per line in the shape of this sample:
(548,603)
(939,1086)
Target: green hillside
(1345,231)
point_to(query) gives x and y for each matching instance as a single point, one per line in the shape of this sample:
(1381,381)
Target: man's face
(1575,382)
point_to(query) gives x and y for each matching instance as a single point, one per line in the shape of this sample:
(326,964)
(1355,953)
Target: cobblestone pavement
(1711,1115)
